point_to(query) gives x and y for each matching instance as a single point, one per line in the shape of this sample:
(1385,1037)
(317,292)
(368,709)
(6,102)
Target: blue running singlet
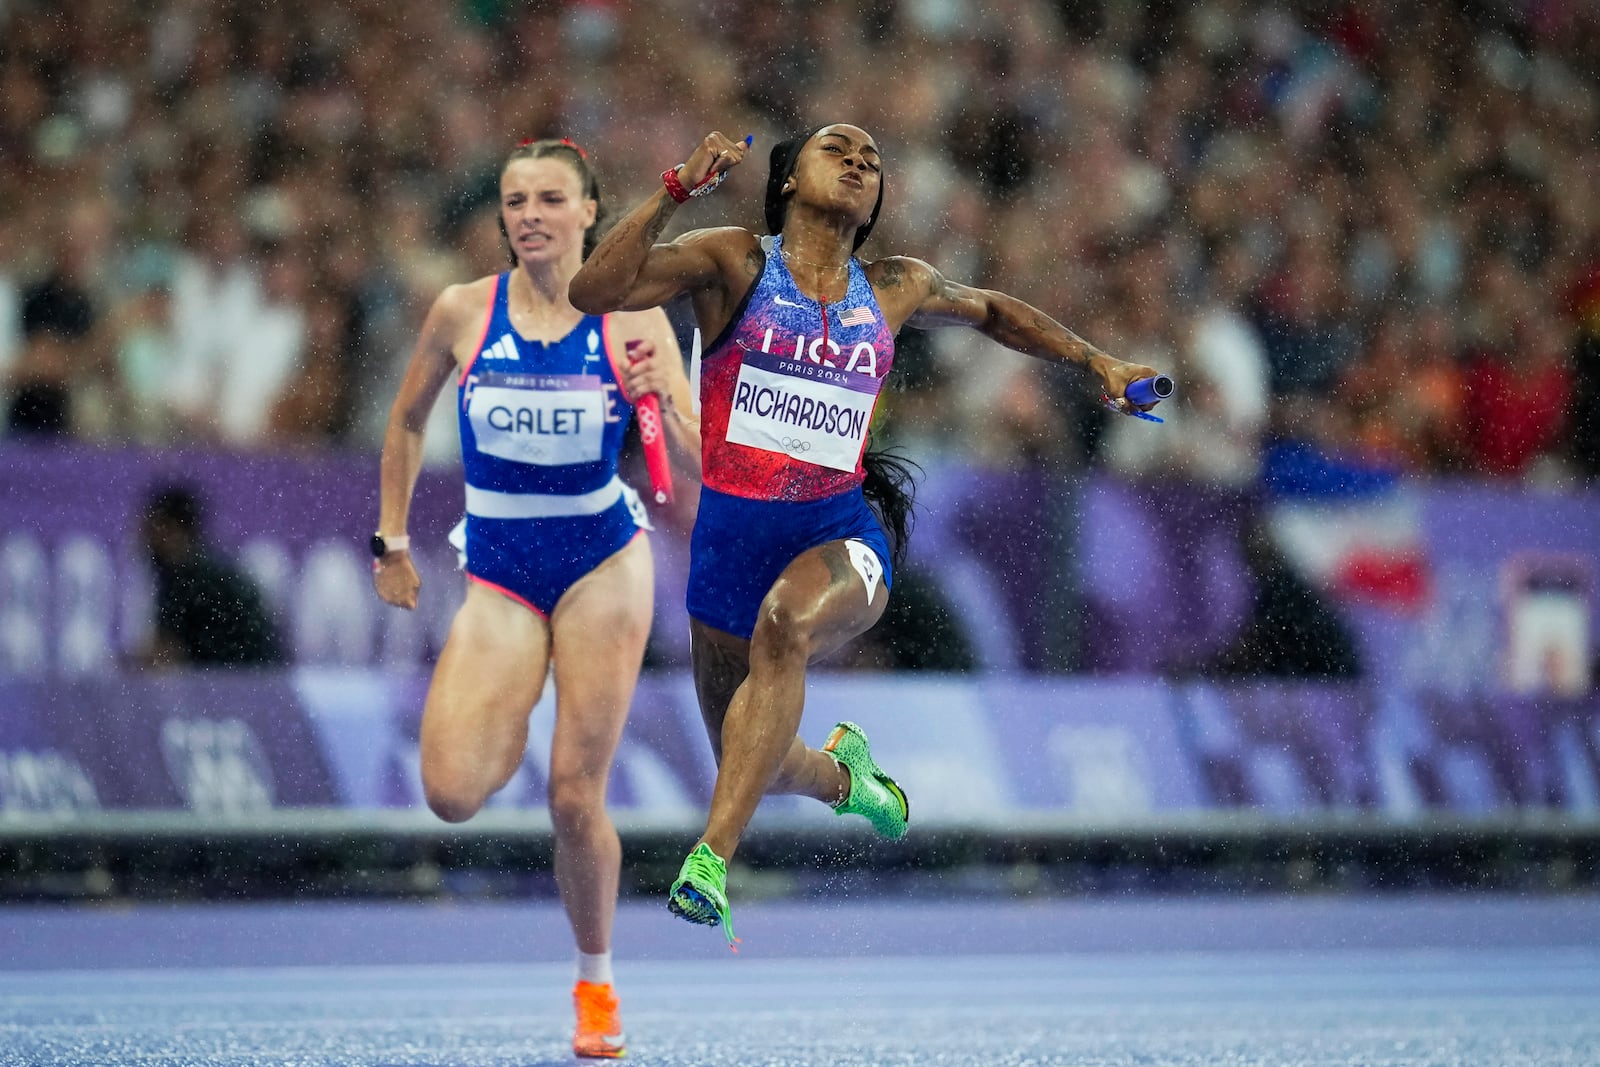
(541,429)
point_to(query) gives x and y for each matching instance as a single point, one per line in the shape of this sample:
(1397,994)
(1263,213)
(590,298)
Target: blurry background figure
(58,384)
(208,612)
(1291,630)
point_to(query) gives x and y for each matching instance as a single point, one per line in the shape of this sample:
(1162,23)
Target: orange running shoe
(599,1034)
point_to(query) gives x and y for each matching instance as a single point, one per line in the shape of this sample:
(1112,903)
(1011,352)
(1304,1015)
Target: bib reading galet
(545,419)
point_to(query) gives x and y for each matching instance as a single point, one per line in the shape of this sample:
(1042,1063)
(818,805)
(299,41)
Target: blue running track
(1280,981)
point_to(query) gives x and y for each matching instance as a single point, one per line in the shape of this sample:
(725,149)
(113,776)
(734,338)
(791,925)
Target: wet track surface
(1430,980)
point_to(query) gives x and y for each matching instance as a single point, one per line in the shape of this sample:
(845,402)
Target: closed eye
(872,165)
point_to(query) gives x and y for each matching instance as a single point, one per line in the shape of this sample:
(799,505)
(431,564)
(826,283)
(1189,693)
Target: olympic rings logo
(649,424)
(794,444)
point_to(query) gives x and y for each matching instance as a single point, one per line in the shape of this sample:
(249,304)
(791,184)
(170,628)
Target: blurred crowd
(1371,229)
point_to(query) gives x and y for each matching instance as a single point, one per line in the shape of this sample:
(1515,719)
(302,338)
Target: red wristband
(674,184)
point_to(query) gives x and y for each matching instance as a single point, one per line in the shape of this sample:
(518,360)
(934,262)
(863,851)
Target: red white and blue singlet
(541,428)
(787,394)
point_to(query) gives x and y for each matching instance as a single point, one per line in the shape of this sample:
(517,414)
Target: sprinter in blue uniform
(557,568)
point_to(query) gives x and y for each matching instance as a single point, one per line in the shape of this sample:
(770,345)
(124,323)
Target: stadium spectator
(208,612)
(60,384)
(1291,631)
(1518,398)
(1354,168)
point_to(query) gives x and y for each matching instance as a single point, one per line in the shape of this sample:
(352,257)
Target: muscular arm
(629,271)
(432,363)
(925,298)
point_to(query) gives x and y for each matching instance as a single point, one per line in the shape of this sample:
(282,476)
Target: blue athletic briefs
(740,546)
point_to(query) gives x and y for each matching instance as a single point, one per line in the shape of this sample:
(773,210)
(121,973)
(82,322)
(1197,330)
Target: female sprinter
(788,561)
(557,569)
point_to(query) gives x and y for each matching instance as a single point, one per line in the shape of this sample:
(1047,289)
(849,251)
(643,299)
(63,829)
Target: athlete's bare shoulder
(648,322)
(458,314)
(901,284)
(470,296)
(896,272)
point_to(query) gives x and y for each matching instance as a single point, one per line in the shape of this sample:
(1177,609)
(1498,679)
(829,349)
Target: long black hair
(559,148)
(785,154)
(891,491)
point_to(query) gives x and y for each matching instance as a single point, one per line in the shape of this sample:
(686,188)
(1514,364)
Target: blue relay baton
(1149,390)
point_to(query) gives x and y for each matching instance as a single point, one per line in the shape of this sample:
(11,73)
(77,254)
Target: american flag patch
(857,317)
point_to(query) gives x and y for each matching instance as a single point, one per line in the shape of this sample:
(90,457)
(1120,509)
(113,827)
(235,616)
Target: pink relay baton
(652,434)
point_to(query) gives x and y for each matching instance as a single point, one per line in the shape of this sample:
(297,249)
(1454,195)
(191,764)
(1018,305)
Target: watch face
(377,545)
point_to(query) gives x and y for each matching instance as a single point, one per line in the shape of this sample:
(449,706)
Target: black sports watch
(381,546)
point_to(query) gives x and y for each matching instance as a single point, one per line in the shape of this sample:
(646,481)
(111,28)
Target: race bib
(811,412)
(547,419)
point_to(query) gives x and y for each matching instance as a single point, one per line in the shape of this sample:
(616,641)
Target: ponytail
(890,489)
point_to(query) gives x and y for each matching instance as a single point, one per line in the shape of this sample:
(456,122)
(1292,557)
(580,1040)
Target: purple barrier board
(75,588)
(1458,588)
(992,753)
(217,744)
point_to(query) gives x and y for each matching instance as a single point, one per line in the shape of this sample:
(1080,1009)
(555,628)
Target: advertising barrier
(1095,696)
(987,753)
(1456,587)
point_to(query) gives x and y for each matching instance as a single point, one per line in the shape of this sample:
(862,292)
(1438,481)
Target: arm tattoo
(893,273)
(754,260)
(663,215)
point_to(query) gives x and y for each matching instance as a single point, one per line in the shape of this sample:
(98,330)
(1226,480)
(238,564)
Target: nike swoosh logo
(613,1039)
(786,303)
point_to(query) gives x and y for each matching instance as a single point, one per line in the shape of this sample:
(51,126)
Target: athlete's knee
(453,801)
(781,632)
(791,772)
(453,794)
(574,804)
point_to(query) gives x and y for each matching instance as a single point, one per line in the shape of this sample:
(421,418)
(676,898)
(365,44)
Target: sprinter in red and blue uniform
(787,394)
(793,549)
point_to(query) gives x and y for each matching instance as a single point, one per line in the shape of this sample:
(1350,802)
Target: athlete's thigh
(488,679)
(721,664)
(826,596)
(599,629)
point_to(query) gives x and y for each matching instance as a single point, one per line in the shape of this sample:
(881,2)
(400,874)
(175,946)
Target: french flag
(1351,528)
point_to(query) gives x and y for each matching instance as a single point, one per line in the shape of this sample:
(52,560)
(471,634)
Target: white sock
(594,968)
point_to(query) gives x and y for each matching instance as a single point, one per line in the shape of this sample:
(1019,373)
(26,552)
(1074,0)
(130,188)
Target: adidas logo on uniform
(505,348)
